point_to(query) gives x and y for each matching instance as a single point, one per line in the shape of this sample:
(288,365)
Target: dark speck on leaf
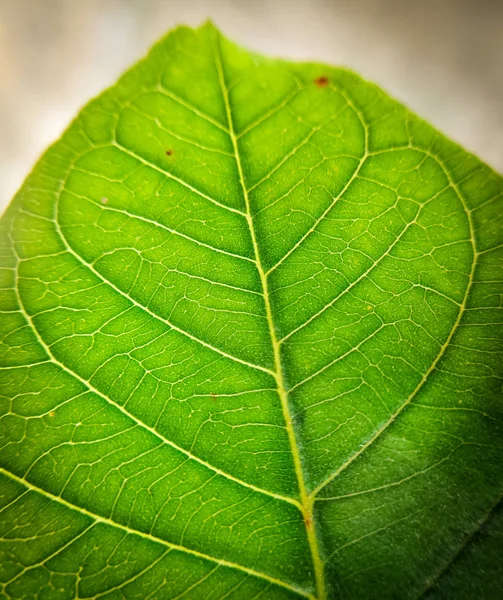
(299,418)
(169,152)
(321,81)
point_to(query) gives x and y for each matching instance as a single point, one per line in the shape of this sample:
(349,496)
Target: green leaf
(251,344)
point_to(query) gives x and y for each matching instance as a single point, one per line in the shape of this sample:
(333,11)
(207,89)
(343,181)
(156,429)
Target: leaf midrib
(306,499)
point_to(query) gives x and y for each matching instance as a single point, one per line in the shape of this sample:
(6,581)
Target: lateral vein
(140,423)
(441,352)
(155,539)
(153,314)
(162,226)
(169,175)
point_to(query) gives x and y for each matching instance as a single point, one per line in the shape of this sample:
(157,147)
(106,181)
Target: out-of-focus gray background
(444,58)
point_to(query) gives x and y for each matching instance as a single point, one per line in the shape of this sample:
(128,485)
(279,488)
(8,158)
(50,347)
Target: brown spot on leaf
(169,152)
(321,81)
(213,396)
(104,200)
(52,413)
(308,522)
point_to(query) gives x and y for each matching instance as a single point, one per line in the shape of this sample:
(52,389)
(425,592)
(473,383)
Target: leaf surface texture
(251,344)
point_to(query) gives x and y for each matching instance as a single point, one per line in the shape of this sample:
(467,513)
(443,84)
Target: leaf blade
(183,315)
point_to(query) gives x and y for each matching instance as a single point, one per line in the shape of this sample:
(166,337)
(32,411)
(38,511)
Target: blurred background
(443,58)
